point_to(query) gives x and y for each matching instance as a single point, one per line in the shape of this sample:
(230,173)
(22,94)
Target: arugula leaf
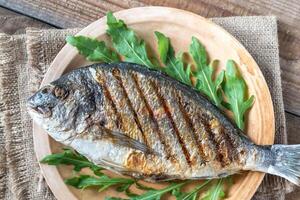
(174,65)
(163,45)
(114,198)
(157,194)
(103,182)
(126,188)
(92,49)
(215,192)
(204,73)
(235,89)
(70,157)
(126,42)
(192,195)
(143,187)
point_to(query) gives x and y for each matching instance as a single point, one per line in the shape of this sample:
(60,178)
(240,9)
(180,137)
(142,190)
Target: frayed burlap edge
(35,64)
(16,179)
(21,171)
(3,168)
(40,55)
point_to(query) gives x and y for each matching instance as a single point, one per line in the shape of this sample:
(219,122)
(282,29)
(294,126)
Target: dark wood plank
(290,74)
(293,130)
(77,13)
(14,23)
(74,13)
(7,13)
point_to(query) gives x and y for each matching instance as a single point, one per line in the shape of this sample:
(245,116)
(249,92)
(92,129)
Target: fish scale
(136,96)
(112,118)
(168,103)
(156,128)
(172,146)
(123,106)
(197,134)
(208,144)
(142,123)
(184,133)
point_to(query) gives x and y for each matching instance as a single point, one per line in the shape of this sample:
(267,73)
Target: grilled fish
(139,122)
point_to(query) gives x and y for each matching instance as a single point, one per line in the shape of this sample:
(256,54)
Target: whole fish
(142,123)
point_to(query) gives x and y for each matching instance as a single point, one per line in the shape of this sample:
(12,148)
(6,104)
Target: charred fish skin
(142,123)
(167,129)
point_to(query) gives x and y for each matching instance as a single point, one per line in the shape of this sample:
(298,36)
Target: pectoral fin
(124,140)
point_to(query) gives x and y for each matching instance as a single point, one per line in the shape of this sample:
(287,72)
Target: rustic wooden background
(16,15)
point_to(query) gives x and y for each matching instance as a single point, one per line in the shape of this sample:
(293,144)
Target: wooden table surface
(20,14)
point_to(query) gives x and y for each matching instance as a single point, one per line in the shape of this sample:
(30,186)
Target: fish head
(65,107)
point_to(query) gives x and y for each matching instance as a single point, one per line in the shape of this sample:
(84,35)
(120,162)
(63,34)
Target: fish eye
(46,90)
(60,93)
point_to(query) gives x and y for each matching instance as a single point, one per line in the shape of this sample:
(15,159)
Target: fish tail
(284,161)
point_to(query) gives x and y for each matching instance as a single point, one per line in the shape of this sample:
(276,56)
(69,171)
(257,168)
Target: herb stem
(196,189)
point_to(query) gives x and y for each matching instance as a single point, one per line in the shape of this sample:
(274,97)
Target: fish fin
(124,140)
(115,167)
(286,162)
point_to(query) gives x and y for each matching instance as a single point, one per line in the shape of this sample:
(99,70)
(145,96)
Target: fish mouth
(44,111)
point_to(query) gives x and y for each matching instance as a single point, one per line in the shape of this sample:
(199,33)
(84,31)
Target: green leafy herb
(126,42)
(114,198)
(157,194)
(143,187)
(70,157)
(204,73)
(174,65)
(126,188)
(93,49)
(235,89)
(103,182)
(192,195)
(215,192)
(163,46)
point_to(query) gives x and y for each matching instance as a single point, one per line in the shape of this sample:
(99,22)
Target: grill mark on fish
(224,146)
(191,127)
(176,131)
(217,139)
(102,80)
(129,125)
(185,133)
(229,145)
(157,130)
(116,74)
(205,122)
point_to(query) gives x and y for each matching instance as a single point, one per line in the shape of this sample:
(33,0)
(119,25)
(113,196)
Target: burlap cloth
(24,60)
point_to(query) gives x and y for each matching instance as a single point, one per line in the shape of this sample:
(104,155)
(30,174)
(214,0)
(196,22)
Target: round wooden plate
(180,26)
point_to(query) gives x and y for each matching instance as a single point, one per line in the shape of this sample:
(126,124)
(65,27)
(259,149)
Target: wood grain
(14,23)
(290,74)
(77,13)
(7,13)
(293,130)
